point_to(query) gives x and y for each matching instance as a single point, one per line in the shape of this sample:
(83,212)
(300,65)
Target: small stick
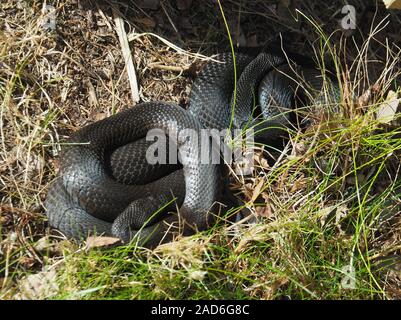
(122,36)
(169,19)
(155,65)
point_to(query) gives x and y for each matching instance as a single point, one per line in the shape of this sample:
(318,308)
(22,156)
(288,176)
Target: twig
(122,36)
(168,17)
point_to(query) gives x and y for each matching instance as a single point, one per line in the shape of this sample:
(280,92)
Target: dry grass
(54,82)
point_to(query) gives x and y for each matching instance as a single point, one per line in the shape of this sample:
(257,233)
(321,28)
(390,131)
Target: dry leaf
(392,4)
(325,213)
(264,163)
(387,110)
(264,211)
(147,22)
(197,275)
(92,98)
(364,99)
(99,116)
(299,184)
(27,262)
(39,286)
(341,212)
(101,242)
(299,148)
(44,245)
(256,190)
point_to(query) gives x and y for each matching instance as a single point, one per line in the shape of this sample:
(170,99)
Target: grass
(325,217)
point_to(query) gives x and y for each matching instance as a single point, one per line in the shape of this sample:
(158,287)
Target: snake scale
(105,184)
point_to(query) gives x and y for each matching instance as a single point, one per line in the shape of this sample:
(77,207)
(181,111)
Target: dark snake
(106,186)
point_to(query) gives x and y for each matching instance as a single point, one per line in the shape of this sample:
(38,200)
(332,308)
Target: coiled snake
(105,184)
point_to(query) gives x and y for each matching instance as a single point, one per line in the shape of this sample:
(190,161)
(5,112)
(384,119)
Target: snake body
(105,184)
